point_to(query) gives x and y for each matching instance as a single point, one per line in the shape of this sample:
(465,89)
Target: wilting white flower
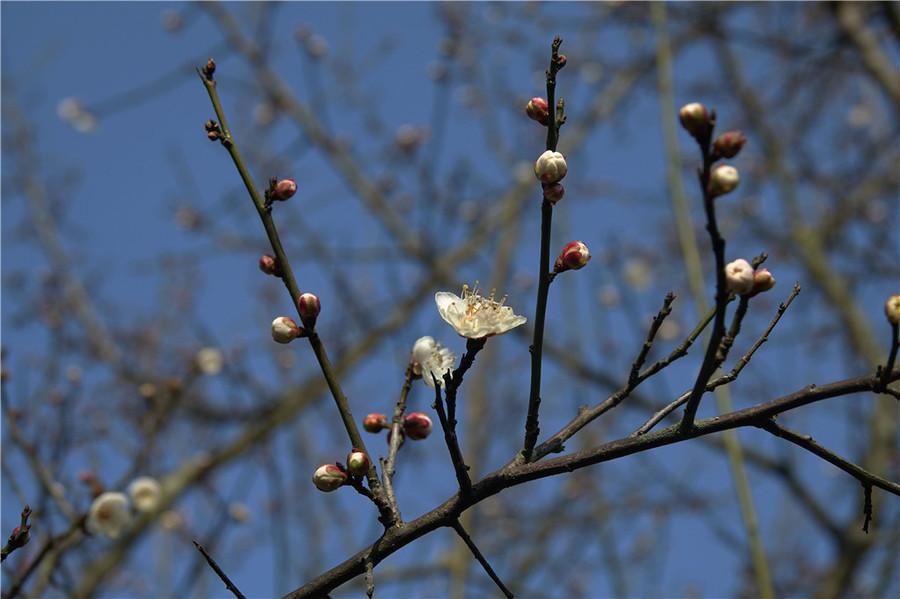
(739,276)
(431,358)
(145,493)
(474,316)
(109,514)
(209,361)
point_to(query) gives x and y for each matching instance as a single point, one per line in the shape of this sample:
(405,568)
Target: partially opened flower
(474,316)
(109,515)
(145,493)
(739,276)
(431,359)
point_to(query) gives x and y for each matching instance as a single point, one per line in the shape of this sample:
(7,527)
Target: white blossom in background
(431,358)
(145,493)
(739,276)
(109,515)
(474,316)
(209,361)
(72,111)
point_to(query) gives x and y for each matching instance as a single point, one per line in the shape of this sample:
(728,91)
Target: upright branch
(556,117)
(220,131)
(389,466)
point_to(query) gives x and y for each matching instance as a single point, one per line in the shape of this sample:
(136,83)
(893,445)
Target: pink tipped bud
(723,179)
(375,422)
(285,330)
(729,144)
(417,425)
(284,189)
(269,265)
(358,462)
(550,167)
(309,307)
(538,110)
(892,309)
(561,61)
(739,276)
(695,119)
(762,280)
(554,192)
(573,256)
(329,477)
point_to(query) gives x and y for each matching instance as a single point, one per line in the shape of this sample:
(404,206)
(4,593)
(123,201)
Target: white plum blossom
(739,276)
(145,492)
(109,515)
(474,316)
(209,361)
(431,358)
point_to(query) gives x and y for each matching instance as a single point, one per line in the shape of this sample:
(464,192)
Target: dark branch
(458,527)
(212,564)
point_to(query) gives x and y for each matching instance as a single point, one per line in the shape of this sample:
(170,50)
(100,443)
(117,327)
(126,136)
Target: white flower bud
(892,309)
(108,515)
(723,179)
(328,477)
(358,462)
(550,167)
(739,276)
(145,492)
(284,329)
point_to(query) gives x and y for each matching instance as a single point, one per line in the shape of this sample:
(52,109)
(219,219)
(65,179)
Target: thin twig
(532,424)
(651,335)
(458,527)
(212,564)
(389,466)
(459,464)
(19,537)
(892,355)
(867,507)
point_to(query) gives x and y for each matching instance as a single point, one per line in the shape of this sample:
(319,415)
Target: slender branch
(807,443)
(449,428)
(389,466)
(458,527)
(212,564)
(651,335)
(532,425)
(892,355)
(290,282)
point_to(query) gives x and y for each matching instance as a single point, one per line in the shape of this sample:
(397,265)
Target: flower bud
(739,276)
(695,119)
(329,477)
(892,309)
(269,265)
(550,167)
(573,256)
(762,280)
(561,61)
(724,178)
(284,329)
(554,192)
(20,537)
(538,110)
(309,307)
(375,422)
(417,425)
(729,144)
(358,462)
(284,189)
(145,493)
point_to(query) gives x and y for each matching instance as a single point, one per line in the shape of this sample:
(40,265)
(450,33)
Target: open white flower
(431,358)
(145,493)
(474,316)
(109,514)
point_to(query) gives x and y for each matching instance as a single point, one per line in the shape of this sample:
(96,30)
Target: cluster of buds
(892,309)
(742,279)
(416,425)
(309,306)
(538,110)
(573,256)
(280,190)
(213,132)
(330,477)
(285,330)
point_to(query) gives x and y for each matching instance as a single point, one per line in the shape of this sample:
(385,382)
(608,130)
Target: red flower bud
(729,144)
(375,422)
(269,265)
(538,110)
(309,307)
(554,192)
(284,189)
(417,425)
(573,256)
(561,61)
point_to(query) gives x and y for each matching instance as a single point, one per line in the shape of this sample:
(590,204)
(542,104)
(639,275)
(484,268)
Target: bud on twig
(329,477)
(358,462)
(729,144)
(269,265)
(695,119)
(285,330)
(762,280)
(724,179)
(417,426)
(573,256)
(892,309)
(309,307)
(739,277)
(550,167)
(554,192)
(209,69)
(538,110)
(283,190)
(374,423)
